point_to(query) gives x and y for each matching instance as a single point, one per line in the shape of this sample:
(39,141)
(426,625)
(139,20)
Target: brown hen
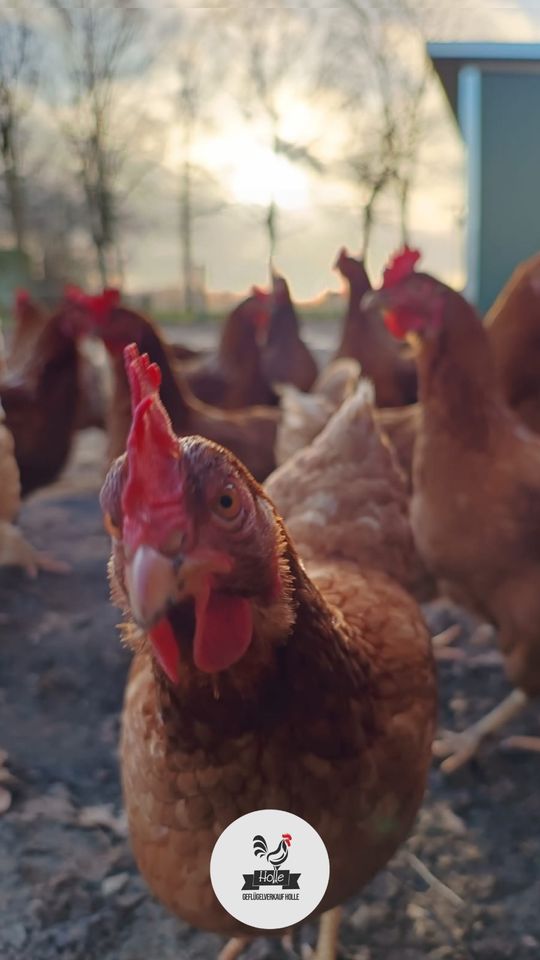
(513,329)
(234,377)
(390,368)
(475,508)
(258,682)
(250,434)
(286,358)
(40,404)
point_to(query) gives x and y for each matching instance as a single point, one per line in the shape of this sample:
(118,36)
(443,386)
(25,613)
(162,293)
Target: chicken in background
(286,358)
(40,403)
(304,415)
(234,378)
(345,496)
(354,272)
(30,321)
(390,368)
(475,508)
(513,328)
(258,682)
(249,433)
(14,548)
(401,426)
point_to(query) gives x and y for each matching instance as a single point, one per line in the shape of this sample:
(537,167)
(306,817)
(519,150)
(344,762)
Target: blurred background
(173,151)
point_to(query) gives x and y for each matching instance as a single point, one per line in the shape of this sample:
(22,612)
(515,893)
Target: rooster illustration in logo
(275,857)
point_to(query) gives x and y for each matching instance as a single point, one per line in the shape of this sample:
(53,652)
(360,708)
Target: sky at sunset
(318,213)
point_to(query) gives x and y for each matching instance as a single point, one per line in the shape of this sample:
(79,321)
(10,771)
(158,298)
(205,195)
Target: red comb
(99,306)
(152,495)
(144,377)
(22,298)
(400,266)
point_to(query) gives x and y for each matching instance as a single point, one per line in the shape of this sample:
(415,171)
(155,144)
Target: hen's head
(352,270)
(198,551)
(411,302)
(104,316)
(280,290)
(250,317)
(26,310)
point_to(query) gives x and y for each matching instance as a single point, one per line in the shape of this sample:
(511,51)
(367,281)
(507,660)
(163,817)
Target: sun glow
(261,176)
(254,175)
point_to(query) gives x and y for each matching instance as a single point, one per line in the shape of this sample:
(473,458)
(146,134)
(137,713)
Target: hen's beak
(155,582)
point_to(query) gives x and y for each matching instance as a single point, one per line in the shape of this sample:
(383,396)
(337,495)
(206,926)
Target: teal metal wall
(499,114)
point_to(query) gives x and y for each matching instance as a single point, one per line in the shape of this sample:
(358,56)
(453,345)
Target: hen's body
(286,358)
(337,730)
(14,548)
(354,272)
(388,365)
(40,407)
(234,378)
(513,329)
(475,508)
(303,415)
(30,322)
(483,541)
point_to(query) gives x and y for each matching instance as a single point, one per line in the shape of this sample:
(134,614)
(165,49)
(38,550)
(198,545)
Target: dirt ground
(68,886)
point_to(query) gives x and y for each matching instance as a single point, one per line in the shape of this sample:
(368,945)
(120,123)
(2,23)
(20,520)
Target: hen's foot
(40,560)
(522,743)
(458,748)
(16,551)
(235,947)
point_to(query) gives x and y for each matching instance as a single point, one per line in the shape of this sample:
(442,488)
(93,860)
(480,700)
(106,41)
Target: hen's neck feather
(270,679)
(458,386)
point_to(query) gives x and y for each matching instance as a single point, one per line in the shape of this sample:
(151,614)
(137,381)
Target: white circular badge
(269,869)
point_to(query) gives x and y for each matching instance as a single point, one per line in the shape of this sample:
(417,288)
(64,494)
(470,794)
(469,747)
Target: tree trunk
(271,223)
(12,180)
(101,255)
(186,238)
(404,197)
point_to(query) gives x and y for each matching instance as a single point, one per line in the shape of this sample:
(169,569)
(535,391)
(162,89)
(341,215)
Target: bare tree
(200,67)
(100,43)
(17,80)
(374,58)
(275,52)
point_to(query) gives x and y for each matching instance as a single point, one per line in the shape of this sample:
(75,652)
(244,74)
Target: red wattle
(166,649)
(223,632)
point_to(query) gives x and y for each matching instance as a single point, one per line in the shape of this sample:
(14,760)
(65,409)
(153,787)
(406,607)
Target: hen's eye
(111,528)
(228,504)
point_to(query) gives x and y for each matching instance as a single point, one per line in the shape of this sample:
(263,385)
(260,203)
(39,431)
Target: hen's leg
(234,947)
(327,941)
(459,748)
(441,644)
